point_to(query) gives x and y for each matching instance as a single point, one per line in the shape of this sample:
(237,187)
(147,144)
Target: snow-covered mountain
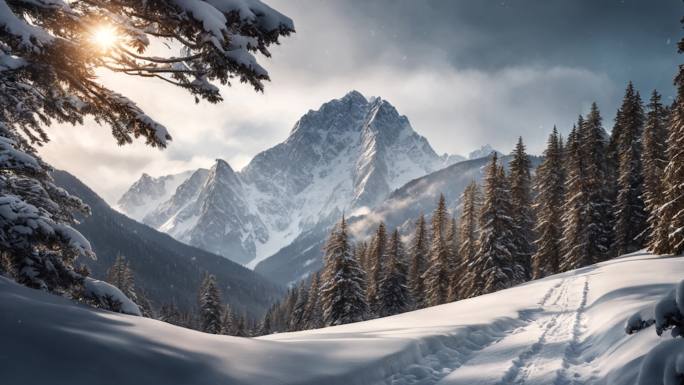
(564,329)
(483,151)
(148,192)
(165,269)
(347,155)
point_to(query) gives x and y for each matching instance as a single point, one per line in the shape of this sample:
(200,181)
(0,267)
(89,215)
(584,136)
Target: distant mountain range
(166,269)
(347,156)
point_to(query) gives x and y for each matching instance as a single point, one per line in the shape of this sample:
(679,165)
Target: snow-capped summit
(483,151)
(350,153)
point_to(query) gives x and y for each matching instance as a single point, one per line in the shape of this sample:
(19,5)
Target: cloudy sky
(465,73)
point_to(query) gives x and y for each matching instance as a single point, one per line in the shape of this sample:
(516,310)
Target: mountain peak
(221,171)
(222,164)
(355,95)
(482,152)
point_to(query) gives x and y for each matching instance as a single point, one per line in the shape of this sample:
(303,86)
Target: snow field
(562,330)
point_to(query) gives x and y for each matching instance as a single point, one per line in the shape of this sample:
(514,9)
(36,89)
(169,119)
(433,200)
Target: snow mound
(103,290)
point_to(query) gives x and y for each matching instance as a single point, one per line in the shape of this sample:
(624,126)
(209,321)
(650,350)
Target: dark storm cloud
(629,39)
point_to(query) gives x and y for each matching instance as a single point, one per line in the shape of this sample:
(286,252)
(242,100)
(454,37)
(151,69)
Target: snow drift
(565,329)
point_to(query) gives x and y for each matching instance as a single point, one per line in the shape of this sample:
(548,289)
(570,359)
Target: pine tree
(297,321)
(521,206)
(419,254)
(145,305)
(313,314)
(549,206)
(393,291)
(451,242)
(598,205)
(654,160)
(169,313)
(630,216)
(227,326)
(436,276)
(241,326)
(574,241)
(468,234)
(343,292)
(376,258)
(455,263)
(361,252)
(265,327)
(494,266)
(210,307)
(672,209)
(49,75)
(121,276)
(288,307)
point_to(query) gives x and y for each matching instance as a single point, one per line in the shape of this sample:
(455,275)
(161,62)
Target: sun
(104,37)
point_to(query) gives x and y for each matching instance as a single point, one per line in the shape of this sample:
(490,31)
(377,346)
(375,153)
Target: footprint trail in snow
(543,351)
(486,353)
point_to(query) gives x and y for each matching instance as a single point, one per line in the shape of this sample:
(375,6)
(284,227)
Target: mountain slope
(350,153)
(565,329)
(166,269)
(400,209)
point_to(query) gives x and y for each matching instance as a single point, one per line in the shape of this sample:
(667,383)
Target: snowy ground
(566,329)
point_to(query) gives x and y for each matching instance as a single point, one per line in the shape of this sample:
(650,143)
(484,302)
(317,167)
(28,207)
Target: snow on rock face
(148,192)
(564,329)
(350,153)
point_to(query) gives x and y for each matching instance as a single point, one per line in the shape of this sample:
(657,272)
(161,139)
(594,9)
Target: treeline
(594,196)
(210,316)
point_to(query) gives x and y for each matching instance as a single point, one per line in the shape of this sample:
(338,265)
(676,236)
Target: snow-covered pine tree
(313,314)
(468,234)
(265,326)
(419,257)
(597,207)
(169,313)
(629,210)
(297,321)
(455,263)
(436,276)
(393,292)
(210,307)
(49,55)
(144,303)
(521,206)
(548,203)
(288,307)
(227,326)
(377,254)
(672,209)
(494,266)
(241,329)
(121,276)
(574,241)
(654,161)
(451,242)
(343,292)
(37,242)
